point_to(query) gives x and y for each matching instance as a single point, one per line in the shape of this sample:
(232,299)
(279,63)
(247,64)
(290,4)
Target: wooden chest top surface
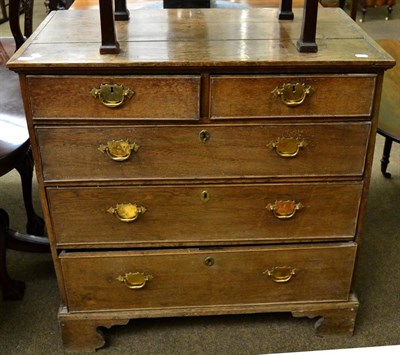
(197,38)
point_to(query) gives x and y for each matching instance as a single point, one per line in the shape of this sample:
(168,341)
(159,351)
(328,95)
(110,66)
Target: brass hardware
(293,94)
(204,135)
(112,95)
(287,147)
(205,196)
(127,212)
(284,209)
(281,274)
(119,150)
(134,280)
(209,261)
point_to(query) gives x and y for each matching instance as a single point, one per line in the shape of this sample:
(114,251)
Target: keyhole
(204,136)
(205,196)
(209,261)
(294,88)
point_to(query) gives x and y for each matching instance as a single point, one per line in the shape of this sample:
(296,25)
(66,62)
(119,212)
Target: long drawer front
(201,215)
(195,152)
(190,278)
(144,97)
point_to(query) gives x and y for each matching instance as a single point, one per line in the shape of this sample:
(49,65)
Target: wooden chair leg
(33,241)
(385,157)
(35,224)
(3,10)
(389,10)
(364,12)
(12,289)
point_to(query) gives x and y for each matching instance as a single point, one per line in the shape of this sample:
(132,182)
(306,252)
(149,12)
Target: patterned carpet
(4,54)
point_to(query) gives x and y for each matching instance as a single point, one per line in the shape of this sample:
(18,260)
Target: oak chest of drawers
(209,168)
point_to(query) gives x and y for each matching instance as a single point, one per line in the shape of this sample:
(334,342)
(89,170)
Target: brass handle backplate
(281,274)
(134,280)
(127,212)
(293,94)
(284,209)
(287,147)
(119,150)
(112,95)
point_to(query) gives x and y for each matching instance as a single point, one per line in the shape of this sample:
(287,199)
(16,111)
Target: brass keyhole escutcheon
(204,135)
(112,95)
(209,261)
(205,196)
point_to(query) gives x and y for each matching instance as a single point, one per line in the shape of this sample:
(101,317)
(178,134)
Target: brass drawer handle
(134,280)
(112,95)
(293,94)
(281,274)
(284,209)
(287,147)
(119,150)
(127,212)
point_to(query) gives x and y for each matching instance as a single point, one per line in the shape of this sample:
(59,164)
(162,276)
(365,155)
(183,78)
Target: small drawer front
(182,152)
(291,96)
(199,215)
(190,278)
(130,97)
